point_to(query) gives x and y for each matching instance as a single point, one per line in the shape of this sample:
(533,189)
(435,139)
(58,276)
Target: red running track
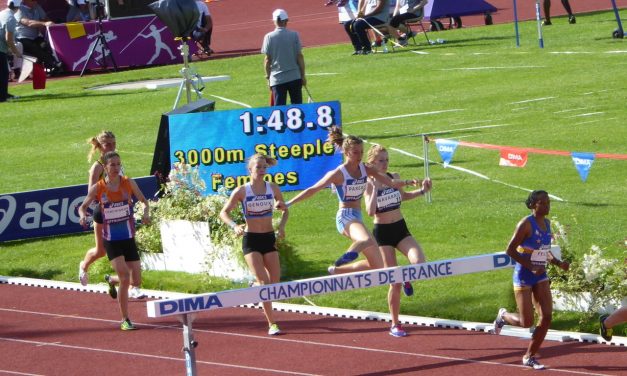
(239,25)
(61,332)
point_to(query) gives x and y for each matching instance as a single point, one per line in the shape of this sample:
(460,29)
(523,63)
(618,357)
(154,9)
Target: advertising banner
(49,212)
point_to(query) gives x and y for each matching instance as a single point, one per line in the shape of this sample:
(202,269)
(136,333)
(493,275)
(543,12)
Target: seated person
(204,28)
(78,11)
(31,26)
(406,10)
(370,13)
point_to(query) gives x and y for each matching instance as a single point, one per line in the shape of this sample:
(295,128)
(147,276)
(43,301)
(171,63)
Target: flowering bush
(182,198)
(602,279)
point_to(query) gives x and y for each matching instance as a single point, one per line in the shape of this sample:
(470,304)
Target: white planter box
(187,247)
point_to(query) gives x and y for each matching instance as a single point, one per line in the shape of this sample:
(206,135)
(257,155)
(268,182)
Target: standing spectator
(370,12)
(7,42)
(114,195)
(547,12)
(32,23)
(204,28)
(284,62)
(530,247)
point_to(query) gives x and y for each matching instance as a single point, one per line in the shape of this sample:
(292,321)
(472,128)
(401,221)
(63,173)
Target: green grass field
(568,96)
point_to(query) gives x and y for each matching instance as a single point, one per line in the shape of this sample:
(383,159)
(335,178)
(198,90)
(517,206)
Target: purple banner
(50,212)
(136,42)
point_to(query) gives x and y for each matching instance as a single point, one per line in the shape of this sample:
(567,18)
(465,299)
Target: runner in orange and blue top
(258,198)
(115,196)
(349,180)
(530,247)
(390,229)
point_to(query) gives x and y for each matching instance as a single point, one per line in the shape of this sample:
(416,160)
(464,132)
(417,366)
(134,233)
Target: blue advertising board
(219,143)
(48,212)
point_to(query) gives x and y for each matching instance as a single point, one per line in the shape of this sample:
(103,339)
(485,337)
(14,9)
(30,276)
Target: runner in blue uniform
(530,247)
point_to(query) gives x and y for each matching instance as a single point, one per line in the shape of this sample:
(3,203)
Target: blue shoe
(346,258)
(408,289)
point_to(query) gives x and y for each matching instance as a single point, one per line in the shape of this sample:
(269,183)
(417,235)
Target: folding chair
(416,22)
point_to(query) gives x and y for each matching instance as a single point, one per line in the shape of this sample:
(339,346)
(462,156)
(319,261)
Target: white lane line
(587,114)
(533,100)
(570,110)
(404,116)
(592,121)
(452,130)
(474,173)
(321,74)
(231,101)
(570,52)
(616,52)
(3,371)
(491,68)
(150,356)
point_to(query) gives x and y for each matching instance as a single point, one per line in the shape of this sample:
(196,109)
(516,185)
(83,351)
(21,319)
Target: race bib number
(117,213)
(540,256)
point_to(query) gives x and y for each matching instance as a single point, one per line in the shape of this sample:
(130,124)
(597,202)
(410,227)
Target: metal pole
(539,21)
(516,25)
(189,345)
(425,149)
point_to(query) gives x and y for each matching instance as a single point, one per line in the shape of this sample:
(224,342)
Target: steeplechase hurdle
(185,307)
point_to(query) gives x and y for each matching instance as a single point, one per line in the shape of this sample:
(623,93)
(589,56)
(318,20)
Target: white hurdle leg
(189,345)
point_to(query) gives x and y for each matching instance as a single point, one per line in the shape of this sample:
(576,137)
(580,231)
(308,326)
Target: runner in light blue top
(349,180)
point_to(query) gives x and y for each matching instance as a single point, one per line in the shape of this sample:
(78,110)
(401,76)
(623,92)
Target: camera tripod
(101,41)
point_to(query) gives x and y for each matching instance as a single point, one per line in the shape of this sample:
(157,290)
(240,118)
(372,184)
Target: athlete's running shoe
(346,258)
(127,325)
(112,291)
(408,289)
(606,333)
(331,269)
(136,293)
(274,330)
(82,275)
(532,362)
(397,331)
(499,322)
(572,19)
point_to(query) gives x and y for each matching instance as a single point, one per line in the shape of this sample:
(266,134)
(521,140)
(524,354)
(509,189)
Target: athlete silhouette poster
(134,42)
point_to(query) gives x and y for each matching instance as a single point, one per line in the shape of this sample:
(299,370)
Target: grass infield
(568,96)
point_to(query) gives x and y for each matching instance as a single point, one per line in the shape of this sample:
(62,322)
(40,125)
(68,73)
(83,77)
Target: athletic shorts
(97,214)
(262,242)
(345,216)
(524,278)
(391,233)
(126,248)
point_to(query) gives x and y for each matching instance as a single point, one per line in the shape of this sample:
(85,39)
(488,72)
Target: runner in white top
(349,180)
